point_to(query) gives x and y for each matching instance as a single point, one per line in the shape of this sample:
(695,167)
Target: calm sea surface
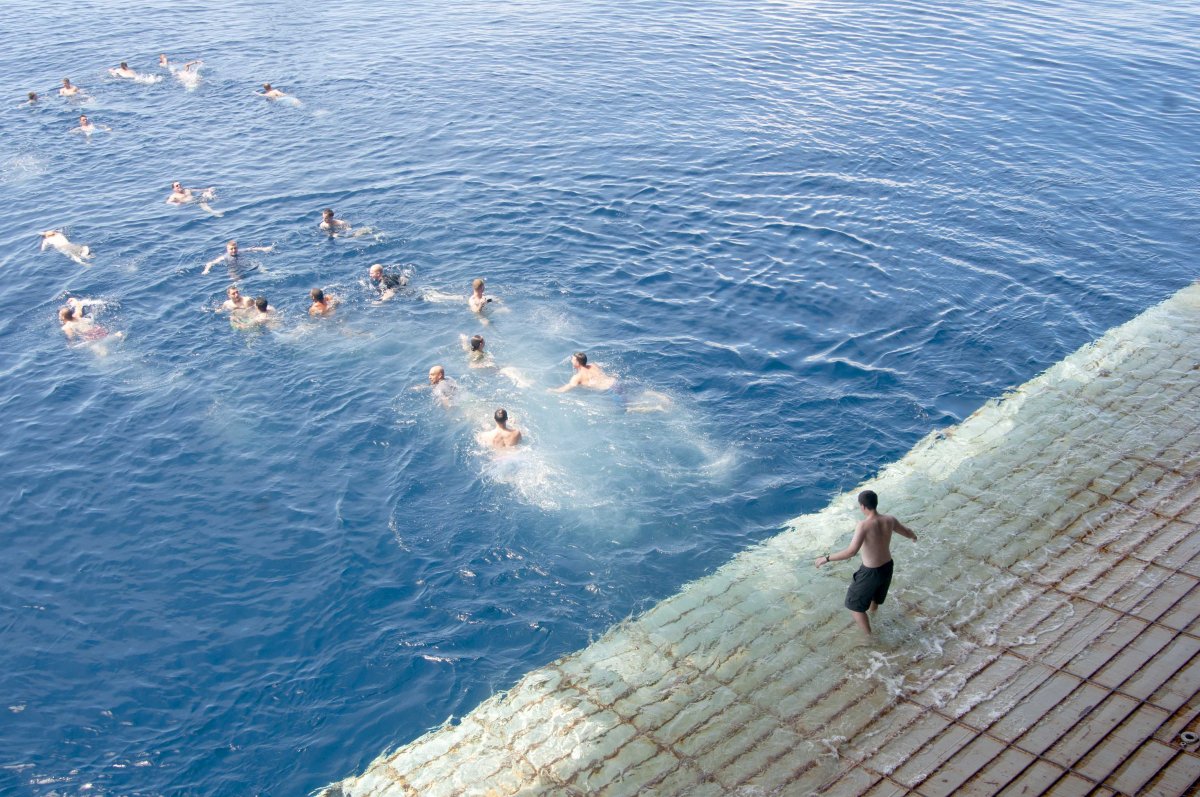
(245,563)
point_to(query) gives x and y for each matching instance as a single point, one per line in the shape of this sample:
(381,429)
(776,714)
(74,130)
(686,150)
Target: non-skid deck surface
(1042,636)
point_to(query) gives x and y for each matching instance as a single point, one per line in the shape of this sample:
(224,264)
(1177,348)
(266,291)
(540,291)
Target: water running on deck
(1041,636)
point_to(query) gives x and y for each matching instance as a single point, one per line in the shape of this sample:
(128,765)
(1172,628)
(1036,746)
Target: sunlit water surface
(247,562)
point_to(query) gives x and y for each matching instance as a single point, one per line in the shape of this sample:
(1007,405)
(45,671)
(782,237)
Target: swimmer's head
(868,500)
(33,96)
(232,292)
(124,65)
(177,186)
(436,374)
(231,248)
(377,271)
(261,303)
(579,359)
(501,416)
(317,295)
(66,83)
(327,214)
(83,120)
(477,285)
(66,314)
(266,87)
(477,343)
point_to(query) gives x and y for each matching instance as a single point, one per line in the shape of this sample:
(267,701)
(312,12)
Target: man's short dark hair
(477,343)
(580,357)
(868,499)
(317,295)
(501,415)
(261,303)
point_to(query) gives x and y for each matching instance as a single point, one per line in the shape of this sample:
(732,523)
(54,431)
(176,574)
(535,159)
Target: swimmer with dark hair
(33,98)
(593,377)
(332,225)
(274,94)
(122,71)
(87,127)
(477,357)
(69,89)
(322,304)
(590,376)
(235,301)
(76,325)
(257,312)
(503,436)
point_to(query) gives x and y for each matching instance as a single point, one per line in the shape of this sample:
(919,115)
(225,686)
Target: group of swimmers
(78,322)
(187,73)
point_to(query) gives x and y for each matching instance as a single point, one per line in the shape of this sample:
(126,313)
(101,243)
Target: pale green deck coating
(1041,636)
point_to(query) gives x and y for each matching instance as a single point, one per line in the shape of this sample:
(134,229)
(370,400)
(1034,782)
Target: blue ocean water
(247,562)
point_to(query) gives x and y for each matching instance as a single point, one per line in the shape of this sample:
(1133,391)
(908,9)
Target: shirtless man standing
(873,535)
(503,436)
(590,376)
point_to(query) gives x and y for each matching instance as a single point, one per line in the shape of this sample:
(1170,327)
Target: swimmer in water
(231,254)
(331,225)
(164,63)
(503,436)
(57,240)
(442,387)
(386,284)
(189,74)
(476,356)
(477,301)
(77,325)
(69,89)
(235,300)
(593,377)
(272,93)
(259,313)
(322,304)
(590,376)
(33,98)
(184,196)
(122,71)
(87,127)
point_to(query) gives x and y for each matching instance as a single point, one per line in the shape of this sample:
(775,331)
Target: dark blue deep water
(243,563)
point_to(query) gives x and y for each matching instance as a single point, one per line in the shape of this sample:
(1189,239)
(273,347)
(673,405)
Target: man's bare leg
(862,621)
(874,607)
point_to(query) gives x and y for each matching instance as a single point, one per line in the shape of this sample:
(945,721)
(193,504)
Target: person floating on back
(873,535)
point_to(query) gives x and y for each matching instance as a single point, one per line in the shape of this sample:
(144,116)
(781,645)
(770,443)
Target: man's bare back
(873,538)
(586,375)
(874,534)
